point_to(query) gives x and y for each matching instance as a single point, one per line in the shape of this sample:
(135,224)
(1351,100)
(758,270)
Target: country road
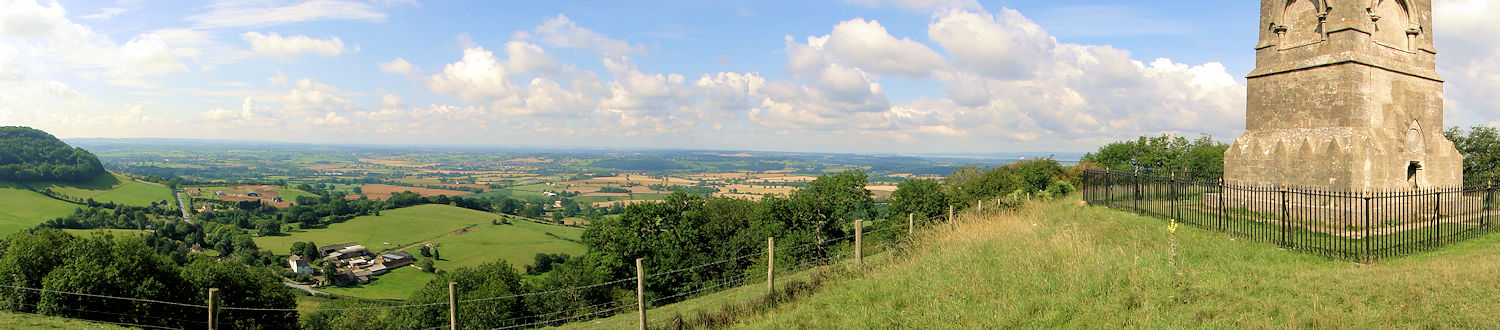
(182,206)
(309,289)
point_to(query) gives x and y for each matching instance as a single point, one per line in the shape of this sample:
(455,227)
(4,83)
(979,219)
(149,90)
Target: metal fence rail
(1355,226)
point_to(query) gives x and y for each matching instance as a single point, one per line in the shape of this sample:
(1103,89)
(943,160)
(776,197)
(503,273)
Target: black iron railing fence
(1355,226)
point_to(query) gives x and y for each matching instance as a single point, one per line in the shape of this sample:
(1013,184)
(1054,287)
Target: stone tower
(1345,96)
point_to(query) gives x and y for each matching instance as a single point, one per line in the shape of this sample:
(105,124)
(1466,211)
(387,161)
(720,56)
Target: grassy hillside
(1057,264)
(482,242)
(33,321)
(113,188)
(22,209)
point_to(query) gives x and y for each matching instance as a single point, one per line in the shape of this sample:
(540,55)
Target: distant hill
(31,155)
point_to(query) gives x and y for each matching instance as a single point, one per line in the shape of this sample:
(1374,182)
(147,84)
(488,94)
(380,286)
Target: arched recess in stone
(1392,19)
(1302,21)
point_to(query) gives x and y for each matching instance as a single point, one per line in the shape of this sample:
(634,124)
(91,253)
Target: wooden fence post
(979,205)
(950,212)
(859,237)
(213,306)
(640,293)
(911,224)
(453,305)
(770,265)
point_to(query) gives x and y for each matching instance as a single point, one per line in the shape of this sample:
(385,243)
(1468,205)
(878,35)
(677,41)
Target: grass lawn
(22,209)
(114,188)
(1057,264)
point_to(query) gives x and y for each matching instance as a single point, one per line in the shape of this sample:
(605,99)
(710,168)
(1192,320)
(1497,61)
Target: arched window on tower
(1302,22)
(1392,19)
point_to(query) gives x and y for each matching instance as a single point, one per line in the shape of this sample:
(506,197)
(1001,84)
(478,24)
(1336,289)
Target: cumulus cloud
(293,46)
(479,76)
(1004,45)
(47,36)
(866,44)
(398,65)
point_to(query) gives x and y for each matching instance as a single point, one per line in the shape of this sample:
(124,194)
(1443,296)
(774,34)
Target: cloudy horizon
(869,76)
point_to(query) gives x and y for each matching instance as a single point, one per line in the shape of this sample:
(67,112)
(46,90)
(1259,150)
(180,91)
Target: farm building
(325,250)
(396,259)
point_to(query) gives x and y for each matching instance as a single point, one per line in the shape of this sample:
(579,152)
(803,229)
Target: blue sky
(898,76)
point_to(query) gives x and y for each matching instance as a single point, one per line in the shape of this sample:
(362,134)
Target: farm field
(383,191)
(399,227)
(113,188)
(23,209)
(517,244)
(463,237)
(264,193)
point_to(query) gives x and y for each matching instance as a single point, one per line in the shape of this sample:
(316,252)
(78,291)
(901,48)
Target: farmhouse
(299,265)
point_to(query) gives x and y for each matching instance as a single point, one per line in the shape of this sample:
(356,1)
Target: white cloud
(292,46)
(867,45)
(398,65)
(391,101)
(52,42)
(1469,57)
(228,13)
(278,80)
(105,13)
(1004,45)
(479,76)
(562,32)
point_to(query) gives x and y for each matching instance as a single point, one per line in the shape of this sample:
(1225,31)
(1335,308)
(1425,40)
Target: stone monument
(1345,96)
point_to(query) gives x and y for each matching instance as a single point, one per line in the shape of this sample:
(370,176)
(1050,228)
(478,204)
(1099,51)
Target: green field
(399,227)
(22,209)
(484,242)
(114,188)
(1061,265)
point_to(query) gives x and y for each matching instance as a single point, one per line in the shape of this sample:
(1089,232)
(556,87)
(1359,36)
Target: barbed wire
(102,296)
(37,306)
(565,318)
(550,292)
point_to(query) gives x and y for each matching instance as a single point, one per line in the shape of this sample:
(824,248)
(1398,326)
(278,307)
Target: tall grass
(1060,264)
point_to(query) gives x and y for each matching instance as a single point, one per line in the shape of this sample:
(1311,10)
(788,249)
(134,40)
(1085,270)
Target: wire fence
(1345,225)
(148,313)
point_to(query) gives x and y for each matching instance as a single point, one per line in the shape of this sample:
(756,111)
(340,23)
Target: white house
(299,265)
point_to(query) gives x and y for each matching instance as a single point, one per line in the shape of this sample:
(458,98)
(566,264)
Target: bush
(1059,188)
